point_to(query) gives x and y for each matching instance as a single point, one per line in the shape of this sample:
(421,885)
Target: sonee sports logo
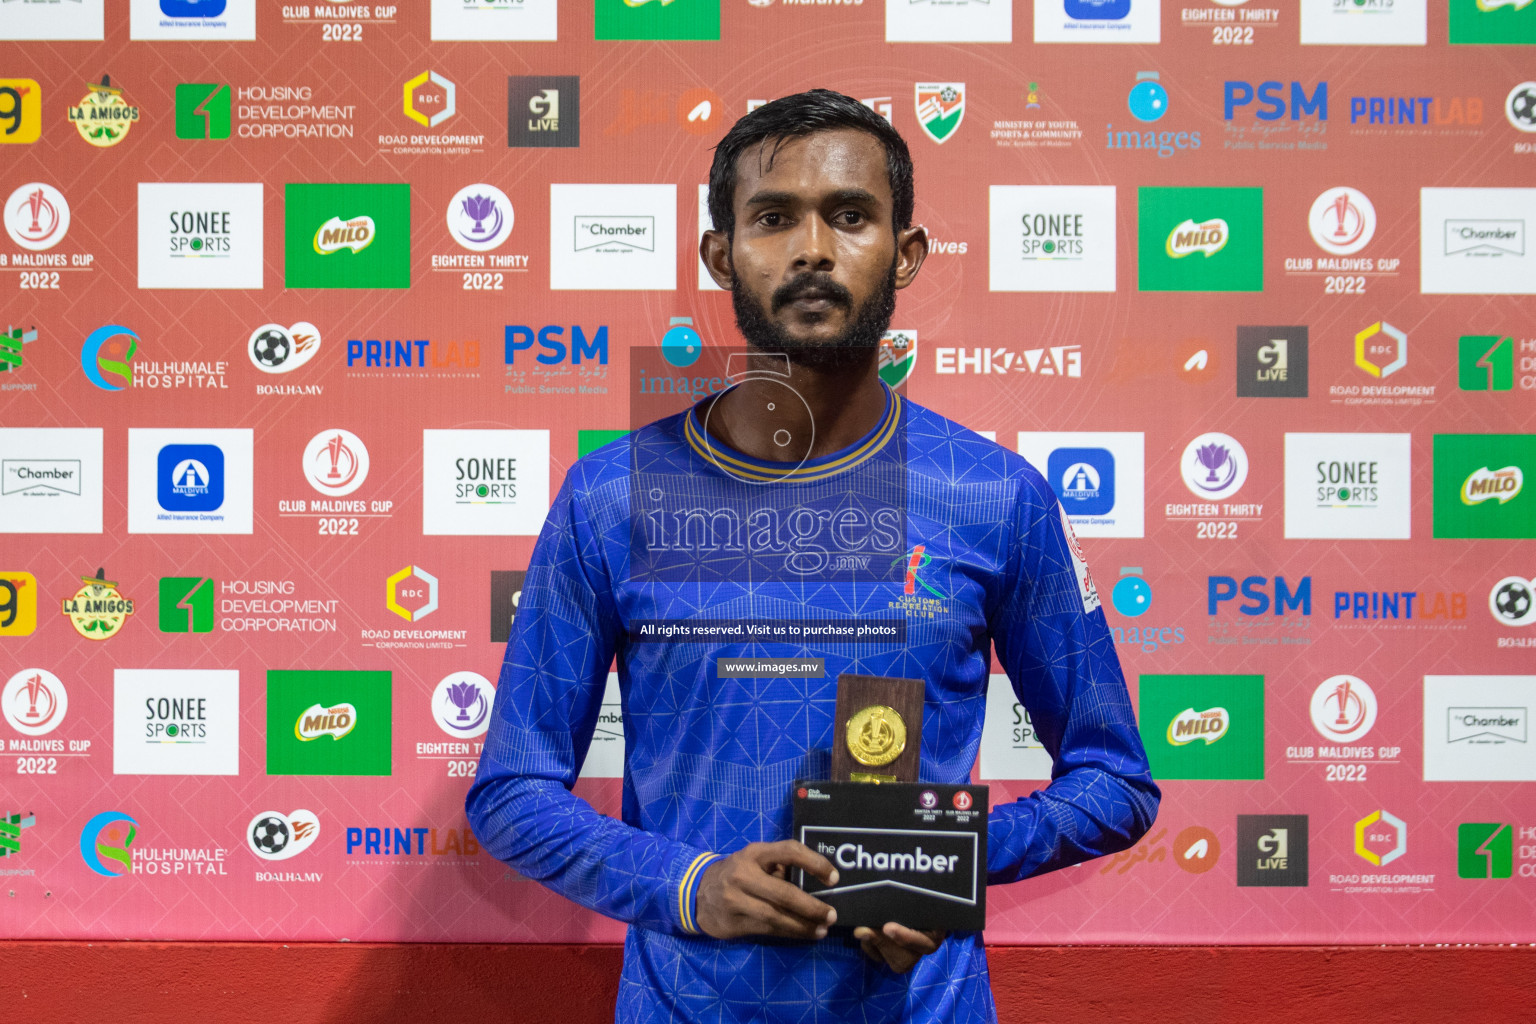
(422,593)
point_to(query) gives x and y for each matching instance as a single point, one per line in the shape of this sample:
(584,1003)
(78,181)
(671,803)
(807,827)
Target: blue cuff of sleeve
(687,892)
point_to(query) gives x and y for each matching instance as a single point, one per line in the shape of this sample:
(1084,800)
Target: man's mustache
(811,286)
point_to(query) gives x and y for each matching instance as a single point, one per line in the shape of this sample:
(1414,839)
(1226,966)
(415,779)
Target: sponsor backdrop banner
(311,307)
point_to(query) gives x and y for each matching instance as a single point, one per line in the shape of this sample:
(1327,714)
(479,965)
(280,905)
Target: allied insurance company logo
(98,610)
(1343,708)
(106,841)
(37,216)
(103,117)
(336,462)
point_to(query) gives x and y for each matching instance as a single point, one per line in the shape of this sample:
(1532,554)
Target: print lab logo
(273,835)
(1272,849)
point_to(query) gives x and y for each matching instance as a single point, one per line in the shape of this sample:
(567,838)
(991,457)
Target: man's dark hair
(806,113)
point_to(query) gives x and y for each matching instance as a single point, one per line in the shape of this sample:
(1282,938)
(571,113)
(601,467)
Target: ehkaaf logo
(1259,596)
(1272,849)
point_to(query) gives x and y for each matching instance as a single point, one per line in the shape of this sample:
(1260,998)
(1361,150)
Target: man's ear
(911,250)
(715,251)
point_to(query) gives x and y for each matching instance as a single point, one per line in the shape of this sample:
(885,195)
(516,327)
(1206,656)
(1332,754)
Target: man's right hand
(748,893)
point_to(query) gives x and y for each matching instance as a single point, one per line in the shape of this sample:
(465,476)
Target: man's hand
(748,893)
(897,947)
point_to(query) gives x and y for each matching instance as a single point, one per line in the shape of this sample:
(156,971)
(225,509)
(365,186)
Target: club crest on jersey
(919,596)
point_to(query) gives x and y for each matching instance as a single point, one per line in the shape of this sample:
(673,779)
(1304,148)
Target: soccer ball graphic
(1512,601)
(270,836)
(272,347)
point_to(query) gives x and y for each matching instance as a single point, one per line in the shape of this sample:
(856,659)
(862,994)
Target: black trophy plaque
(905,851)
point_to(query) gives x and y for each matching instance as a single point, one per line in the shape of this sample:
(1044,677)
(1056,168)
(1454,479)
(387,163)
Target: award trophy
(905,851)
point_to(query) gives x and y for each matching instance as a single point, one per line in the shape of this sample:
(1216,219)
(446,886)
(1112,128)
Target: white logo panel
(1009,747)
(49,20)
(494,20)
(50,479)
(1348,486)
(1052,238)
(1475,241)
(192,19)
(613,237)
(1099,477)
(200,235)
(1477,729)
(175,721)
(605,757)
(190,481)
(1364,22)
(1098,21)
(484,483)
(948,21)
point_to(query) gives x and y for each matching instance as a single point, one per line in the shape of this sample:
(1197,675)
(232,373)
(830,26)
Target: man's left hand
(897,947)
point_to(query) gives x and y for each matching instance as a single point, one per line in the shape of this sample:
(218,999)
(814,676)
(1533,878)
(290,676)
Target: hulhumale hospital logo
(105,843)
(109,350)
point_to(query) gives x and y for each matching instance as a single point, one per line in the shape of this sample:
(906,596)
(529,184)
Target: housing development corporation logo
(1485,850)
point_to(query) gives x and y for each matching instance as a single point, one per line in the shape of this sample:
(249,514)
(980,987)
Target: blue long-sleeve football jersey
(921,524)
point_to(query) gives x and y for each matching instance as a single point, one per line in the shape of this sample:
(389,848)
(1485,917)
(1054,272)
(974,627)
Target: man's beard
(854,348)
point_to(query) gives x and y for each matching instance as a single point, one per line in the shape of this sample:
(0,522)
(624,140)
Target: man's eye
(771,220)
(851,217)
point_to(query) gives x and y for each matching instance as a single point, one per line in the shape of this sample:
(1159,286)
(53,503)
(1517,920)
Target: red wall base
(129,982)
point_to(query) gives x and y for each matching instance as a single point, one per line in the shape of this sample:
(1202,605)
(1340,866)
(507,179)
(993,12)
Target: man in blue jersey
(805,497)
